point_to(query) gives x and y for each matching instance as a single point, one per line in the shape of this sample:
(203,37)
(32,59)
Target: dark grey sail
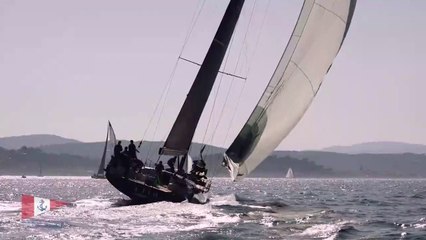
(180,137)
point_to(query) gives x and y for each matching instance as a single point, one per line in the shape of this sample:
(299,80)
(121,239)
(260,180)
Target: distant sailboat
(289,173)
(40,173)
(109,144)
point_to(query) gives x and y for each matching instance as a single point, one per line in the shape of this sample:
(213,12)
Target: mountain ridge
(33,140)
(379,147)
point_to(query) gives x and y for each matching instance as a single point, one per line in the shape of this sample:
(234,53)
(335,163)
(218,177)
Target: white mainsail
(315,42)
(110,142)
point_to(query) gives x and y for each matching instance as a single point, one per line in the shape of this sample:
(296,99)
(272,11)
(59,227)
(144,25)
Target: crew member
(117,149)
(132,150)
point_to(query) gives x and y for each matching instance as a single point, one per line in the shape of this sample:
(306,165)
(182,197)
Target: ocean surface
(251,209)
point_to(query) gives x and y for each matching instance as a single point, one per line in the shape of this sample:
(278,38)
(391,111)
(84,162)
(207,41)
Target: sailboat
(315,42)
(109,141)
(289,173)
(40,169)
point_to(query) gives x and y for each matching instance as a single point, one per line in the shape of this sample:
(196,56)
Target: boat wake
(117,218)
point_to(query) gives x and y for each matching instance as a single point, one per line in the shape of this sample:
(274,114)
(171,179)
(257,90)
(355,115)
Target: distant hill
(35,140)
(386,159)
(29,161)
(379,147)
(33,161)
(94,150)
(365,165)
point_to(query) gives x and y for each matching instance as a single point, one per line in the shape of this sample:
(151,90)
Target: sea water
(250,209)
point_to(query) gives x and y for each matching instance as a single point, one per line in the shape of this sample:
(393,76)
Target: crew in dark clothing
(117,149)
(171,163)
(199,169)
(159,167)
(132,150)
(126,151)
(159,170)
(137,165)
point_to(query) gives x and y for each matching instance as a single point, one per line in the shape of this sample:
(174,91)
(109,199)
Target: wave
(10,207)
(419,195)
(329,231)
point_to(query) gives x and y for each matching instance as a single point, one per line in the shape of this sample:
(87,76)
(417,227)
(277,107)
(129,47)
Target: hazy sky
(66,67)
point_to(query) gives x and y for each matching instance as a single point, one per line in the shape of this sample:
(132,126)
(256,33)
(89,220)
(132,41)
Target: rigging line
(222,72)
(280,84)
(258,36)
(161,110)
(193,21)
(235,112)
(168,84)
(215,98)
(248,71)
(235,69)
(228,53)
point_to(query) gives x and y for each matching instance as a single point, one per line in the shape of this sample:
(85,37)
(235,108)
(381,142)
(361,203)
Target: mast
(180,137)
(102,165)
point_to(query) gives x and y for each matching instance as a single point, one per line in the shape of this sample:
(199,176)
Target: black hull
(143,187)
(141,192)
(146,185)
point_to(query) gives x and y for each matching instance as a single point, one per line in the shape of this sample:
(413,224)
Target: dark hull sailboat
(317,38)
(146,185)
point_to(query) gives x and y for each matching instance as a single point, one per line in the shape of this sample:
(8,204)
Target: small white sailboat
(289,173)
(109,144)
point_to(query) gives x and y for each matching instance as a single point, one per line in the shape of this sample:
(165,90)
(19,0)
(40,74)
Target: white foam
(8,206)
(418,225)
(97,218)
(328,231)
(267,220)
(230,200)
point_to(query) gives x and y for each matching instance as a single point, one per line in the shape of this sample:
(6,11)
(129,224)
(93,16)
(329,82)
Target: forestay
(315,42)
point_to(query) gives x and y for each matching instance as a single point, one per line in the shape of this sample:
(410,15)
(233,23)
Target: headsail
(109,144)
(315,42)
(180,137)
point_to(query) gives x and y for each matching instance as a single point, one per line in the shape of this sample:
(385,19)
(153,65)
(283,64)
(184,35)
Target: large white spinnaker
(315,42)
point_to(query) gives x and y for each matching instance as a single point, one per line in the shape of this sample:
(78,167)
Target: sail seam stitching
(328,10)
(281,82)
(306,76)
